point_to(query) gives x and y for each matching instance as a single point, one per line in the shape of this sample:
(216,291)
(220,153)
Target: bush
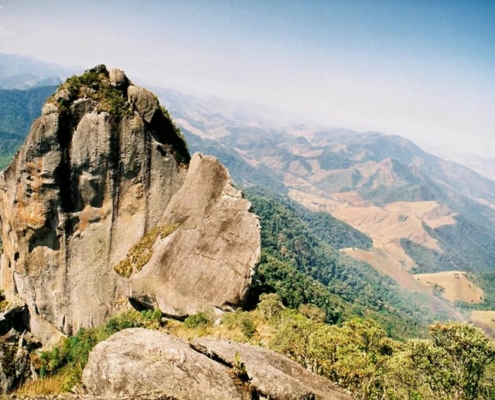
(200,319)
(242,320)
(270,306)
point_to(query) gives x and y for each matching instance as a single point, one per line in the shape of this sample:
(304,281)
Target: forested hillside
(301,263)
(18,110)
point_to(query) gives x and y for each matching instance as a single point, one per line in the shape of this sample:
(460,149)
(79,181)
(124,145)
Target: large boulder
(272,375)
(210,254)
(86,198)
(138,362)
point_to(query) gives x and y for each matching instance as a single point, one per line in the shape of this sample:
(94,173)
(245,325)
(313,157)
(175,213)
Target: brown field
(484,319)
(388,264)
(386,226)
(456,286)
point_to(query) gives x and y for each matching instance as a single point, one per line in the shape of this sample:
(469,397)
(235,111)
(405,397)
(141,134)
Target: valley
(353,225)
(410,203)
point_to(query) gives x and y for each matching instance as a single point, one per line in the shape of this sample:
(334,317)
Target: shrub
(270,305)
(242,320)
(200,319)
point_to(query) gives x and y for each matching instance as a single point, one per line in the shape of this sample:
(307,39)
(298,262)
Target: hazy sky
(423,69)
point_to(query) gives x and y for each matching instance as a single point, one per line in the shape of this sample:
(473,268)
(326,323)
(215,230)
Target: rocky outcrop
(15,362)
(136,362)
(270,374)
(213,238)
(98,181)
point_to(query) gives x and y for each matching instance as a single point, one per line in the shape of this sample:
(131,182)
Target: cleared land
(453,285)
(484,319)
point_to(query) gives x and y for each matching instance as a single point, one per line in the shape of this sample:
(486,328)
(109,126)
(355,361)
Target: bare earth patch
(453,285)
(484,319)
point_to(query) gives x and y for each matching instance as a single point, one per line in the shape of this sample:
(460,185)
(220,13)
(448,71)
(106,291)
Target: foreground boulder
(89,198)
(138,362)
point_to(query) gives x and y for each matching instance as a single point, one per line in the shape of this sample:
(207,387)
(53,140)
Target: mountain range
(340,250)
(431,222)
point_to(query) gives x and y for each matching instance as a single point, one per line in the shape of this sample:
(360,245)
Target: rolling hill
(425,215)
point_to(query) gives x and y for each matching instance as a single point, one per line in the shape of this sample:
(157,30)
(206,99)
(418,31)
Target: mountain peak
(102,183)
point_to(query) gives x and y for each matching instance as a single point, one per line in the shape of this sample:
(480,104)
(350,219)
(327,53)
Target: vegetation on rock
(94,84)
(140,253)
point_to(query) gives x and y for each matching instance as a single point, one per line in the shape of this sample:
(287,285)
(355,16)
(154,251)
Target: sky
(422,69)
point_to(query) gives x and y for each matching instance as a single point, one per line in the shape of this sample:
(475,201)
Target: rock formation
(138,362)
(100,205)
(213,238)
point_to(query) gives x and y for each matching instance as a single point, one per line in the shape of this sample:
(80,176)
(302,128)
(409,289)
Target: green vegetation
(18,109)
(429,260)
(456,361)
(300,263)
(197,320)
(139,254)
(241,320)
(468,242)
(94,84)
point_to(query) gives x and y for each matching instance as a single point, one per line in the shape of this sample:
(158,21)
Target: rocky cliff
(103,205)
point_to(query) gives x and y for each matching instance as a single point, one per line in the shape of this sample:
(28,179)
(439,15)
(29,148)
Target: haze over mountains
(22,72)
(104,211)
(414,206)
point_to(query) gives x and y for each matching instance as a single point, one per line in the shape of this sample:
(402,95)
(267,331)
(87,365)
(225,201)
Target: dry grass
(48,385)
(484,319)
(224,331)
(139,254)
(456,286)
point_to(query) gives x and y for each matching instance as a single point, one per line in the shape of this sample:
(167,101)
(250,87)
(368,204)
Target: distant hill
(424,214)
(22,72)
(18,109)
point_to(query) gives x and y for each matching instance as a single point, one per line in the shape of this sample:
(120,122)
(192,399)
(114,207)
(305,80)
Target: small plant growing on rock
(139,254)
(239,368)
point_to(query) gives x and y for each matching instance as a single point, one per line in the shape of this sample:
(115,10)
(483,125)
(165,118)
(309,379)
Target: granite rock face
(89,193)
(214,238)
(137,362)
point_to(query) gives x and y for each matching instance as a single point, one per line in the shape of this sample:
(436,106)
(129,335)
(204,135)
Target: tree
(453,364)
